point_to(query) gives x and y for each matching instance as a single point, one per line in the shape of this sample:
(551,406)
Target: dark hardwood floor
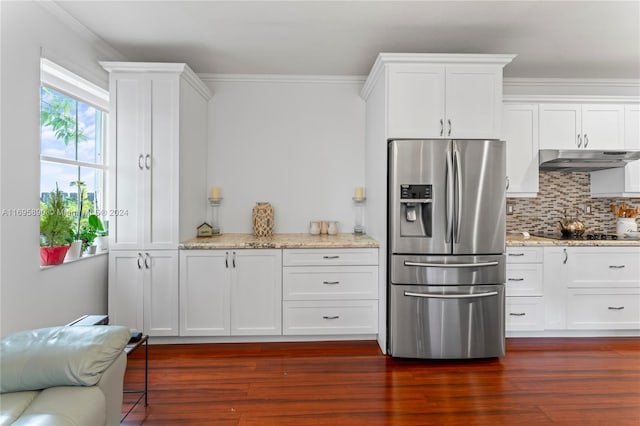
(540,381)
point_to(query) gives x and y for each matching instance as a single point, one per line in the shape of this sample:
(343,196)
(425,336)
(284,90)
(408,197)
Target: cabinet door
(560,126)
(602,126)
(416,99)
(473,104)
(126,276)
(161,165)
(204,293)
(256,292)
(126,158)
(520,131)
(556,260)
(632,141)
(161,293)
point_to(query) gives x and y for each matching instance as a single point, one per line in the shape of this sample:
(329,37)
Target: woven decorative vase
(262,220)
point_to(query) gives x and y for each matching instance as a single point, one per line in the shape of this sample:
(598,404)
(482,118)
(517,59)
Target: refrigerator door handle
(449,197)
(450,265)
(458,189)
(451,296)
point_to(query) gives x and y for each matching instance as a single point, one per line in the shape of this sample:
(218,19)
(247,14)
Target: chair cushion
(12,405)
(59,356)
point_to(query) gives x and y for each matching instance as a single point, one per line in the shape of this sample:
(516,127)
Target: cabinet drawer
(596,267)
(330,282)
(330,257)
(603,308)
(524,313)
(330,317)
(524,279)
(524,255)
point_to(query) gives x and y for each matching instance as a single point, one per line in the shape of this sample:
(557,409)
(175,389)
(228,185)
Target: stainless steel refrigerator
(446,248)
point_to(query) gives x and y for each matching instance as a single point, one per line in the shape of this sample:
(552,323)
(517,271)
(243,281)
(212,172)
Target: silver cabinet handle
(147,161)
(586,140)
(566,256)
(579,141)
(616,266)
(226,259)
(449,122)
(331,257)
(331,282)
(450,296)
(330,317)
(147,258)
(517,314)
(615,308)
(139,257)
(451,265)
(441,127)
(508,183)
(140,162)
(515,279)
(515,254)
(233,259)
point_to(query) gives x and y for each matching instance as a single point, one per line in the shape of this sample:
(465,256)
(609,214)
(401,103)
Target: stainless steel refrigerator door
(420,162)
(447,270)
(479,196)
(447,322)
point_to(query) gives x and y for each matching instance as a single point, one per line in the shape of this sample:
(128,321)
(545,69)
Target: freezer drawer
(447,322)
(448,270)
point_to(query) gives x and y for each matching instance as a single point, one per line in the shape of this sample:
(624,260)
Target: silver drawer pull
(516,254)
(450,265)
(515,279)
(450,296)
(330,317)
(517,314)
(331,282)
(616,266)
(331,257)
(615,308)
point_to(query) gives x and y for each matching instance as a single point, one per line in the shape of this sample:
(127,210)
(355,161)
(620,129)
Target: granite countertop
(517,240)
(279,241)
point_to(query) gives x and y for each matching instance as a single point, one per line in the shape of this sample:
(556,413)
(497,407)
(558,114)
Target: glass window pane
(63,174)
(92,178)
(90,132)
(57,124)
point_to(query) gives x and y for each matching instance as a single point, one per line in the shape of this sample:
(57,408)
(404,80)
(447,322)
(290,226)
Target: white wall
(295,142)
(31,297)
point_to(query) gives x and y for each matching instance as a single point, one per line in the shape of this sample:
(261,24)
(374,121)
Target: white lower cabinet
(231,292)
(524,301)
(330,291)
(143,294)
(603,308)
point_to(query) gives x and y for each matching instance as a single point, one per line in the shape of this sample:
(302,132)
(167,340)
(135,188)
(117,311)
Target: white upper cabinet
(581,126)
(625,181)
(440,96)
(520,131)
(158,123)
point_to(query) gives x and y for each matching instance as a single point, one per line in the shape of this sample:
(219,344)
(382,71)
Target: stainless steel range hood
(585,160)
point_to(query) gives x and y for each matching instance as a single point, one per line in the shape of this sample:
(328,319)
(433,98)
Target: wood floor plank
(539,382)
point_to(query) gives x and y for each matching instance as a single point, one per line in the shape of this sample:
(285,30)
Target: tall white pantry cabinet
(157,184)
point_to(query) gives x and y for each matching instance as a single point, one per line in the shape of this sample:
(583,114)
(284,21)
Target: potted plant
(101,240)
(75,251)
(55,227)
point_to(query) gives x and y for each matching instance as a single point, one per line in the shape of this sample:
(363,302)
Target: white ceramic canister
(314,228)
(333,228)
(626,224)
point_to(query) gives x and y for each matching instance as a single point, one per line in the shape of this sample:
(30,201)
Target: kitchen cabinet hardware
(517,314)
(140,166)
(515,279)
(449,132)
(331,257)
(441,127)
(139,257)
(616,266)
(226,260)
(616,308)
(146,261)
(233,260)
(566,256)
(516,254)
(579,139)
(586,140)
(147,161)
(330,317)
(331,282)
(507,186)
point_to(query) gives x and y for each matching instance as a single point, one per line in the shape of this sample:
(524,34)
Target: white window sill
(81,258)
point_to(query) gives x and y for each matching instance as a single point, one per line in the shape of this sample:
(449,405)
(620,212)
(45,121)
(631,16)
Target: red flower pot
(53,255)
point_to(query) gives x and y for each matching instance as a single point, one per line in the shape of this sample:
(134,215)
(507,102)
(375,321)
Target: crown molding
(571,82)
(280,78)
(568,99)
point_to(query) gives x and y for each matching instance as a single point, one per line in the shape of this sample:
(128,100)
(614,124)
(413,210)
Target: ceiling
(553,39)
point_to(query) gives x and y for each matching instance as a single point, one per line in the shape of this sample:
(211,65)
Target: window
(72,135)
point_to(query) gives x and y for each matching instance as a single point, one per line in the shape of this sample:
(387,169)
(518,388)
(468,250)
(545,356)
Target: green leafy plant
(96,223)
(59,118)
(82,195)
(55,223)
